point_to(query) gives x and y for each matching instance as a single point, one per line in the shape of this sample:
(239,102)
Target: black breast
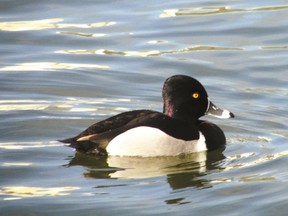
(214,136)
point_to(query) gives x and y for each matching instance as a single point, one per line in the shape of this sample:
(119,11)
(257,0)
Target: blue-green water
(67,64)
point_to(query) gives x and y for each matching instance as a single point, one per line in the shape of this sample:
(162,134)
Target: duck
(148,133)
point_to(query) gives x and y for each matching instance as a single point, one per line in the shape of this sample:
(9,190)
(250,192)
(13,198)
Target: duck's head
(185,98)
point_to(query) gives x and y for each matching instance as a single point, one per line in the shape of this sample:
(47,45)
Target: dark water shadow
(181,171)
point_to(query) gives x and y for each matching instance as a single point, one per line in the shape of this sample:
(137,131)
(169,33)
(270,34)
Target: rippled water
(67,64)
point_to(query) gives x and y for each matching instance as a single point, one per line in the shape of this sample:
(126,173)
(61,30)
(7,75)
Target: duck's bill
(213,110)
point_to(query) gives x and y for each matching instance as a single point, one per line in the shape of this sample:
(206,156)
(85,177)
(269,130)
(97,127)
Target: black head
(184,98)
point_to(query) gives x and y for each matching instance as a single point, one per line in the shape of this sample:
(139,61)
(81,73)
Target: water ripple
(53,23)
(151,52)
(69,104)
(19,192)
(26,145)
(203,11)
(52,66)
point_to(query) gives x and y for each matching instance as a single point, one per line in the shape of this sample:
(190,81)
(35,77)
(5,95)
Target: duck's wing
(170,126)
(110,124)
(104,131)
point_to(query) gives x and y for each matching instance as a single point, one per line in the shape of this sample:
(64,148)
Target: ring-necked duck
(148,133)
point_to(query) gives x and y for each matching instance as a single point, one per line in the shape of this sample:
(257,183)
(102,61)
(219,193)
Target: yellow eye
(195,95)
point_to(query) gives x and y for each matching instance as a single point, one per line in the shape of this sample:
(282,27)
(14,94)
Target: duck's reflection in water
(181,171)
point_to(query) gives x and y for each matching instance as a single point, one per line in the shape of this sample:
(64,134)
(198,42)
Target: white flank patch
(151,142)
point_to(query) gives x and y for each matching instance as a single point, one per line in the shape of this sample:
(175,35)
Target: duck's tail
(87,147)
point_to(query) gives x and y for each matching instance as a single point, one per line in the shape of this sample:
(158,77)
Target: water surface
(65,65)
